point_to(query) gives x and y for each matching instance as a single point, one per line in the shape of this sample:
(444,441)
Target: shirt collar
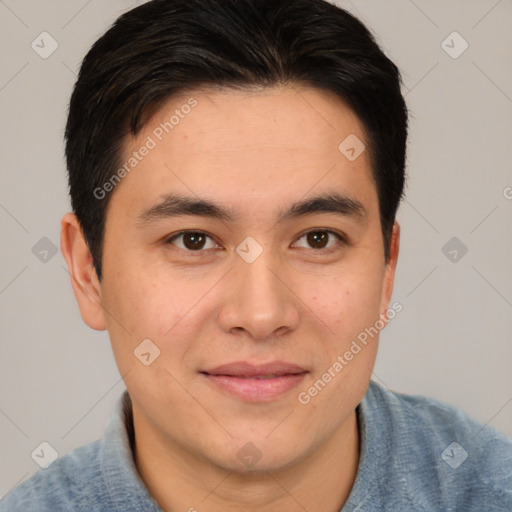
(122,481)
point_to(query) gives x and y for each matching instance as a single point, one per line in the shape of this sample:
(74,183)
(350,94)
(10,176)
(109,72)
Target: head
(235,168)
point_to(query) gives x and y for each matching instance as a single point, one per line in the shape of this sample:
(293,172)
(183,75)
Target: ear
(84,280)
(389,273)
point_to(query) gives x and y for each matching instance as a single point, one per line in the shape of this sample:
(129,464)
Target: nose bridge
(259,277)
(255,262)
(260,302)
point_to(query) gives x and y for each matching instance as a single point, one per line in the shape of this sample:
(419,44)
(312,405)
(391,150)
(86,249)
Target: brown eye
(317,239)
(192,240)
(320,239)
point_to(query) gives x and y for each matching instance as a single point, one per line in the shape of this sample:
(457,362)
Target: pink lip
(247,381)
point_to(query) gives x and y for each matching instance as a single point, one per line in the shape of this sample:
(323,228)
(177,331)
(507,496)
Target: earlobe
(85,283)
(389,275)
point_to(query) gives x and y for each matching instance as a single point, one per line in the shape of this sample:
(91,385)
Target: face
(252,299)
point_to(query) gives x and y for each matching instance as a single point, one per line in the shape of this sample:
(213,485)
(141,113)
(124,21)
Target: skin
(256,153)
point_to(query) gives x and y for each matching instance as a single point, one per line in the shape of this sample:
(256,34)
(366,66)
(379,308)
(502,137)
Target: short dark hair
(166,47)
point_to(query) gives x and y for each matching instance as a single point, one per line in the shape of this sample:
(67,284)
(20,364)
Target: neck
(179,480)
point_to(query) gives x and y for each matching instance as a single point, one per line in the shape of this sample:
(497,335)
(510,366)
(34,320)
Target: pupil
(196,240)
(317,239)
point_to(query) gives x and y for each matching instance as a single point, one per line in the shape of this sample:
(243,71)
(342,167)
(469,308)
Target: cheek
(159,305)
(346,303)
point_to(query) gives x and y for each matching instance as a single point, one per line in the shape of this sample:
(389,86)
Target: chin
(256,457)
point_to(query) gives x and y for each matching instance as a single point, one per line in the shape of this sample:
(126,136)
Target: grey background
(451,341)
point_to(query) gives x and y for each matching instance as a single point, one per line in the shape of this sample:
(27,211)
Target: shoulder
(443,451)
(65,485)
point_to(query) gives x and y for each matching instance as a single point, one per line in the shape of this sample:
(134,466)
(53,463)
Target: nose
(259,300)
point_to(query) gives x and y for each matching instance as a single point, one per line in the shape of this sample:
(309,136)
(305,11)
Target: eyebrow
(174,205)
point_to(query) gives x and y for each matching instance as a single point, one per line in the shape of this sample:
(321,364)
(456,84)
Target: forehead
(245,146)
(293,116)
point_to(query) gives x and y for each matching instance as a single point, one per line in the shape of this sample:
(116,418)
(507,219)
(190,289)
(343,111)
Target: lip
(256,382)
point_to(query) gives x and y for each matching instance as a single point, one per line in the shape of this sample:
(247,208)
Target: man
(235,167)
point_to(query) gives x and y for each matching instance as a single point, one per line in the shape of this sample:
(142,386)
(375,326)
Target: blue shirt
(417,454)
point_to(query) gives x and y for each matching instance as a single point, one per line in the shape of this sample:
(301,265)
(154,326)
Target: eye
(321,238)
(192,241)
(196,241)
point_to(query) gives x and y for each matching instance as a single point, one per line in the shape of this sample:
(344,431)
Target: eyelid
(338,234)
(341,237)
(168,240)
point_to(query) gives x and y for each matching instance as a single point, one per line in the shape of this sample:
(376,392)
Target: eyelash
(342,239)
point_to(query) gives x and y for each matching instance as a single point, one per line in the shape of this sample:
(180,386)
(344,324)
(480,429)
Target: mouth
(255,383)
